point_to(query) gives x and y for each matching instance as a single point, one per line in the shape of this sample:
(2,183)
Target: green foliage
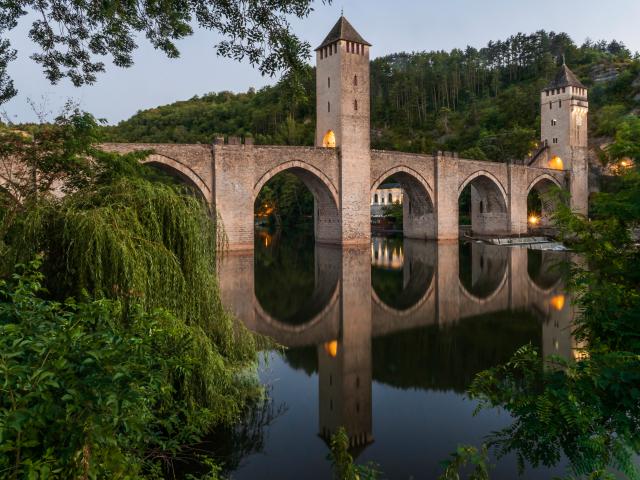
(394,213)
(342,462)
(626,143)
(140,251)
(281,115)
(286,201)
(587,409)
(71,35)
(467,455)
(87,395)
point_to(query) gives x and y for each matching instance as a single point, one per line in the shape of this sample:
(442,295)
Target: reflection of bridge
(342,171)
(353,312)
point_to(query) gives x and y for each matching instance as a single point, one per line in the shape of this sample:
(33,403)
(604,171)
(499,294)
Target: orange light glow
(331,348)
(534,219)
(557,302)
(580,351)
(329,140)
(556,163)
(626,163)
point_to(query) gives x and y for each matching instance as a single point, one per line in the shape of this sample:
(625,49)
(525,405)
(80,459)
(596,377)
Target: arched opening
(482,268)
(541,203)
(402,270)
(178,177)
(545,268)
(294,209)
(181,174)
(329,140)
(482,207)
(405,205)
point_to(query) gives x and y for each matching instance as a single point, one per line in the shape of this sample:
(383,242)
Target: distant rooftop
(343,30)
(564,78)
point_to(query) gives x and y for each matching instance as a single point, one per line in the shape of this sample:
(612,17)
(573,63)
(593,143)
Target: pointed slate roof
(565,78)
(343,30)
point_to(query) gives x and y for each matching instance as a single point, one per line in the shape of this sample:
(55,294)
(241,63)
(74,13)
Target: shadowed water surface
(384,341)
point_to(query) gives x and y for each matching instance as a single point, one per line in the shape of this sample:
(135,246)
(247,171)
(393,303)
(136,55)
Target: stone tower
(564,108)
(342,121)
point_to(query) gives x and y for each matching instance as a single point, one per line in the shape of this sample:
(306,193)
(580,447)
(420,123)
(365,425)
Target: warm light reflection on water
(387,253)
(385,341)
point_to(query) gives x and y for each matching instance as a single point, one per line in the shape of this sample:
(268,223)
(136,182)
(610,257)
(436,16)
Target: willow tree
(124,233)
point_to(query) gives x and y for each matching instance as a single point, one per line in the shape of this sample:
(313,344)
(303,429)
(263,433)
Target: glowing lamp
(329,140)
(557,302)
(331,348)
(534,219)
(556,163)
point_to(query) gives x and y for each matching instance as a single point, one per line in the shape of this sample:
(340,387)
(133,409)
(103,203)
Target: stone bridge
(230,177)
(435,290)
(342,170)
(347,313)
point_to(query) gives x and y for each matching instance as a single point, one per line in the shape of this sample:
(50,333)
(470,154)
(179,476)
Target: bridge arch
(417,209)
(543,270)
(402,273)
(277,325)
(539,207)
(180,171)
(325,194)
(488,198)
(486,273)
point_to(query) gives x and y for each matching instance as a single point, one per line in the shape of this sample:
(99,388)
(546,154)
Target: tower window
(355,80)
(329,107)
(328,82)
(375,198)
(329,140)
(335,48)
(390,198)
(559,103)
(355,105)
(550,105)
(554,122)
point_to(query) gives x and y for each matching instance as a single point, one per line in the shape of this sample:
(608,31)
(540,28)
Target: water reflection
(401,316)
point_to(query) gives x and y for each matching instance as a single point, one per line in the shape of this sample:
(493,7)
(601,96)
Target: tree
(586,409)
(146,359)
(73,35)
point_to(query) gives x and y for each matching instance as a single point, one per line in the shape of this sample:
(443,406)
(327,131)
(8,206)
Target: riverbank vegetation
(585,409)
(116,352)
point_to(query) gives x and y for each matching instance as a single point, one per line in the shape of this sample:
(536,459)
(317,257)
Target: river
(385,341)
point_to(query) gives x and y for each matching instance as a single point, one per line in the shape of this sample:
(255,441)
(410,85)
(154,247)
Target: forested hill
(483,102)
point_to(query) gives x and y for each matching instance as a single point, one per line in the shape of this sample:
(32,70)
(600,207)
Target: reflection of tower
(564,107)
(342,120)
(344,364)
(556,330)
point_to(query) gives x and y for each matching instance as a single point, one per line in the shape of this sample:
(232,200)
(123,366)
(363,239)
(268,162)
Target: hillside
(483,102)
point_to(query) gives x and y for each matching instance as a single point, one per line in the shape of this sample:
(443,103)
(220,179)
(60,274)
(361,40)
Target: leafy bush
(85,395)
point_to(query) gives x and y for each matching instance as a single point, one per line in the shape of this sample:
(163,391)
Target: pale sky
(391,26)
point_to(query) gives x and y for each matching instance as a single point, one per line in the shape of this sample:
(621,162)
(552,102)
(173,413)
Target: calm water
(384,341)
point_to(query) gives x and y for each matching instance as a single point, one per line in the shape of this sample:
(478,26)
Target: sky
(391,26)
